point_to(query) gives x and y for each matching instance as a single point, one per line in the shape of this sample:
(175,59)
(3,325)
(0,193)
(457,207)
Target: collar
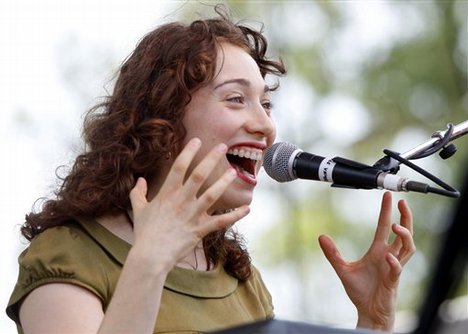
(215,283)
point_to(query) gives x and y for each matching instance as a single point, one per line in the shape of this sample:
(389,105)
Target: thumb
(332,253)
(138,195)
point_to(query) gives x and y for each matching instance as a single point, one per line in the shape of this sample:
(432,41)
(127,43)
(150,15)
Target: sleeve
(64,254)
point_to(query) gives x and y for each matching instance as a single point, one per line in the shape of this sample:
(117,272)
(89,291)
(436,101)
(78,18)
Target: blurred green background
(363,76)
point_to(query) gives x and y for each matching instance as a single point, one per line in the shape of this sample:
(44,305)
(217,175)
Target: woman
(138,239)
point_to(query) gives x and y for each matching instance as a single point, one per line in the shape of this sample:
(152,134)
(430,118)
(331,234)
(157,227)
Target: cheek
(217,130)
(272,135)
(210,133)
(206,124)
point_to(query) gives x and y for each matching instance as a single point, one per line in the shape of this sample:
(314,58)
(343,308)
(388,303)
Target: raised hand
(372,282)
(176,220)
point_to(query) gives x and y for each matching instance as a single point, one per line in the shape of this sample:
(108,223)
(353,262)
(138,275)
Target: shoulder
(66,251)
(259,289)
(65,240)
(257,282)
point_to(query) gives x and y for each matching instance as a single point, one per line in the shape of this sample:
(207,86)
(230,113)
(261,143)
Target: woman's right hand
(169,226)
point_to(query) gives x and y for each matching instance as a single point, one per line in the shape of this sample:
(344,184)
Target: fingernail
(221,148)
(196,141)
(399,227)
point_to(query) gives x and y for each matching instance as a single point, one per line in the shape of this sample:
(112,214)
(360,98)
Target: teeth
(245,153)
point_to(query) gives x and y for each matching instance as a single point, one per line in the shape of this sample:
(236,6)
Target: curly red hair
(129,133)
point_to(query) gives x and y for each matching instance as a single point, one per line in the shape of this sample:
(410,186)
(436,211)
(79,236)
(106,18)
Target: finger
(396,246)
(395,268)
(384,223)
(332,253)
(138,195)
(406,220)
(406,217)
(223,221)
(204,169)
(407,248)
(214,192)
(179,168)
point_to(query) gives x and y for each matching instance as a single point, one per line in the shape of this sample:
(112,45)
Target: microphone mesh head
(278,160)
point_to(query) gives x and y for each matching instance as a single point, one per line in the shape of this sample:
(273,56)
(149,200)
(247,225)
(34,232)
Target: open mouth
(244,161)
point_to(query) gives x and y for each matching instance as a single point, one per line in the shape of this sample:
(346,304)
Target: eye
(268,106)
(236,99)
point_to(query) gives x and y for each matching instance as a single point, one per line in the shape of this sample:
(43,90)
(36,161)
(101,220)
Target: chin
(233,201)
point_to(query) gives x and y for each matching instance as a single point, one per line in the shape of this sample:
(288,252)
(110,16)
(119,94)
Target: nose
(260,122)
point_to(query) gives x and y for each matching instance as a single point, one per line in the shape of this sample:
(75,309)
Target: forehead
(234,62)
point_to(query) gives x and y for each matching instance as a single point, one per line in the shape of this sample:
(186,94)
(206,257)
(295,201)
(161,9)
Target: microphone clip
(390,163)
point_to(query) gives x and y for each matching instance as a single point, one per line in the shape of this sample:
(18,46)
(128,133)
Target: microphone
(285,162)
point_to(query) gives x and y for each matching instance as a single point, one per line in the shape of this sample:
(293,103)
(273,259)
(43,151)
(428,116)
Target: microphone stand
(439,142)
(438,138)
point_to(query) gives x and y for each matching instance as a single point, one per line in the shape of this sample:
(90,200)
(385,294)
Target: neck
(195,260)
(122,227)
(118,225)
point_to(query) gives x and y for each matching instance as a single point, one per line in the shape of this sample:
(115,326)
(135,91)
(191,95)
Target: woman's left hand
(372,282)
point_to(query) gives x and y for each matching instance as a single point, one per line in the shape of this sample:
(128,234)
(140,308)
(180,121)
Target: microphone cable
(446,190)
(391,161)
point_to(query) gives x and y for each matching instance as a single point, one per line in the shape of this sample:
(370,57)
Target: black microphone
(285,162)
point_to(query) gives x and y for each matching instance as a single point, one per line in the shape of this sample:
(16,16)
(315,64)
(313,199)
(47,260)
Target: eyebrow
(242,82)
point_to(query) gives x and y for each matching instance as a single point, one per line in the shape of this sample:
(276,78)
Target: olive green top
(88,255)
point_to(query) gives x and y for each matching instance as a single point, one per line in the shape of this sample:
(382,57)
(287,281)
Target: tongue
(242,170)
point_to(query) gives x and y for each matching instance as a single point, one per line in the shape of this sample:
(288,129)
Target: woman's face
(233,109)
